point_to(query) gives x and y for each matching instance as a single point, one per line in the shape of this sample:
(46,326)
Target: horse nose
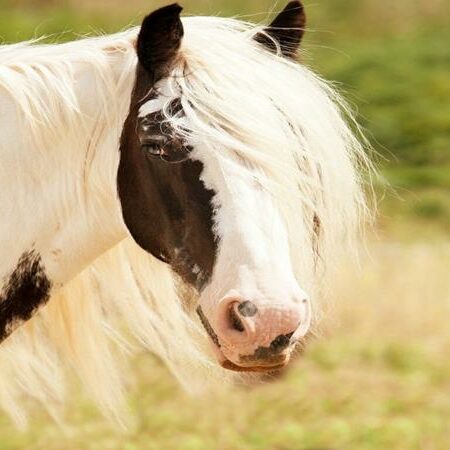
(281,342)
(240,314)
(258,330)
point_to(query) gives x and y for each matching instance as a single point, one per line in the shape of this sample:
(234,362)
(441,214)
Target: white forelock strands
(273,119)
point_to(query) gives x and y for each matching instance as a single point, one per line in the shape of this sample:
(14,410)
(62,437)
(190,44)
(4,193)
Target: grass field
(379,377)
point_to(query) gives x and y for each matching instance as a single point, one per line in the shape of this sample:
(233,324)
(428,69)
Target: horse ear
(159,39)
(287,29)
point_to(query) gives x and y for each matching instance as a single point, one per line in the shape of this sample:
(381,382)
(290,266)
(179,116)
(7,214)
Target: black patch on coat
(26,289)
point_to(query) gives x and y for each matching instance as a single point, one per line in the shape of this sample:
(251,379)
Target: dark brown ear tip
(287,29)
(172,10)
(294,5)
(294,13)
(175,8)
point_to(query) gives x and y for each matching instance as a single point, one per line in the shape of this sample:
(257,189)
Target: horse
(183,187)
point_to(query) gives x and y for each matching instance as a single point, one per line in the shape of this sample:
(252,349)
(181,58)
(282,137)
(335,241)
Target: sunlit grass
(376,379)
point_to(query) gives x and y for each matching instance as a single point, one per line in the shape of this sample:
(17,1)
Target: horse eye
(158,141)
(152,145)
(166,152)
(153,150)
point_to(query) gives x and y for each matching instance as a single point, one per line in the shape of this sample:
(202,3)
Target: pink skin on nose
(259,334)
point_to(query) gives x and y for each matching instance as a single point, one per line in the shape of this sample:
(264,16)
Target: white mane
(283,121)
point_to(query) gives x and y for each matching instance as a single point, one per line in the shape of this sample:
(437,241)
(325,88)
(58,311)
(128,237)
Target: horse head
(195,181)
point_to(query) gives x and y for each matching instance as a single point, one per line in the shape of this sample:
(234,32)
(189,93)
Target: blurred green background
(390,59)
(380,379)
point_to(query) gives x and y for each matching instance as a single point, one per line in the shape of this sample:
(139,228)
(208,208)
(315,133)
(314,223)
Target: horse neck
(58,193)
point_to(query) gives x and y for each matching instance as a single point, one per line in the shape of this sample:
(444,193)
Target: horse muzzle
(256,337)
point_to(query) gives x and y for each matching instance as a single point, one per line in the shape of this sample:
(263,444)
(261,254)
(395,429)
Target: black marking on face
(208,327)
(25,290)
(166,207)
(271,353)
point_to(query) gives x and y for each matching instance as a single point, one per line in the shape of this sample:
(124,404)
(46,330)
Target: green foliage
(414,177)
(391,61)
(400,87)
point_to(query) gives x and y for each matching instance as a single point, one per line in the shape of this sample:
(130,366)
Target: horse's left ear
(159,39)
(287,29)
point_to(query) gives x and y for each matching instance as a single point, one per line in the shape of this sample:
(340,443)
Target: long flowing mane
(309,159)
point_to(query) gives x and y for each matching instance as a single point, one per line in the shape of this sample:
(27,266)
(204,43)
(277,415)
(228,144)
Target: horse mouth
(247,363)
(229,365)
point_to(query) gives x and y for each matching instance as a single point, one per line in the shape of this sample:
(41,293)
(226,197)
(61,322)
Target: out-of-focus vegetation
(380,379)
(377,380)
(391,60)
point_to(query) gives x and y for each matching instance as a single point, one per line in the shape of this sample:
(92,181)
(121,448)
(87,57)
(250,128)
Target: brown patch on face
(165,206)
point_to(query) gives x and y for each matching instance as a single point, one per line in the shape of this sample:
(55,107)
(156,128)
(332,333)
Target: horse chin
(227,364)
(255,366)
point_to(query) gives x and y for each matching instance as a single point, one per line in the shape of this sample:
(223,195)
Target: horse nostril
(247,309)
(236,311)
(235,322)
(281,342)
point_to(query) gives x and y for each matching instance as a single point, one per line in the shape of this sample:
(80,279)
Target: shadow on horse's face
(228,243)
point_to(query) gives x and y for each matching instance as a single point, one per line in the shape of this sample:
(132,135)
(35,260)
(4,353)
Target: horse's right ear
(159,40)
(287,29)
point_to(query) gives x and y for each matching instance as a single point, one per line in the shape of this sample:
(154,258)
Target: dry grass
(400,290)
(376,380)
